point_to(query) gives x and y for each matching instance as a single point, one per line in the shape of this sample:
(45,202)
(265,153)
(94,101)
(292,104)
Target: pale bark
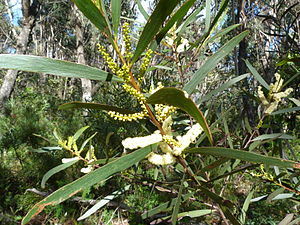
(86,84)
(29,9)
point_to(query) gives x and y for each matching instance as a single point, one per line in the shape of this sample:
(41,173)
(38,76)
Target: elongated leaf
(189,20)
(274,194)
(57,67)
(207,15)
(222,32)
(214,24)
(142,10)
(225,205)
(259,198)
(178,203)
(290,80)
(88,180)
(163,9)
(164,207)
(212,61)
(243,155)
(46,149)
(296,101)
(96,106)
(95,15)
(177,98)
(257,76)
(287,219)
(295,222)
(57,169)
(102,203)
(193,213)
(273,136)
(196,213)
(245,207)
(116,15)
(283,196)
(293,109)
(178,15)
(79,133)
(223,87)
(159,67)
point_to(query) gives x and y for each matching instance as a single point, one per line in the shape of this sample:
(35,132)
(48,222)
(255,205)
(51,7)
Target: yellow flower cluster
(137,94)
(120,72)
(274,96)
(129,117)
(145,64)
(163,111)
(127,40)
(170,141)
(109,60)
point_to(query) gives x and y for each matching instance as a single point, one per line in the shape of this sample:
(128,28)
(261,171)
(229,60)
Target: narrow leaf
(178,202)
(257,76)
(163,9)
(79,133)
(225,205)
(116,15)
(196,213)
(57,169)
(178,15)
(295,222)
(177,98)
(189,20)
(164,207)
(53,66)
(296,101)
(207,15)
(274,194)
(223,87)
(142,10)
(245,207)
(88,180)
(102,203)
(283,196)
(293,109)
(96,106)
(273,136)
(214,24)
(287,219)
(212,61)
(222,32)
(243,155)
(95,15)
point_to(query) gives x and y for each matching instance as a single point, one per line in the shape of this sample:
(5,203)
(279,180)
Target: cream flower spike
(141,142)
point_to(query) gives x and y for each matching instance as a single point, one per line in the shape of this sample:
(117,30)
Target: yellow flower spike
(145,64)
(109,60)
(127,117)
(127,40)
(135,93)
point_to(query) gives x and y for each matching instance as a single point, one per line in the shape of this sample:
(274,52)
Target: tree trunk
(29,9)
(86,84)
(241,67)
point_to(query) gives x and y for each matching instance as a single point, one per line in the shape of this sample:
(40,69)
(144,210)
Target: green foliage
(138,118)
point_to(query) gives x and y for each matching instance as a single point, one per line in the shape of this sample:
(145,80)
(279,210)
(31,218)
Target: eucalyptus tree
(30,11)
